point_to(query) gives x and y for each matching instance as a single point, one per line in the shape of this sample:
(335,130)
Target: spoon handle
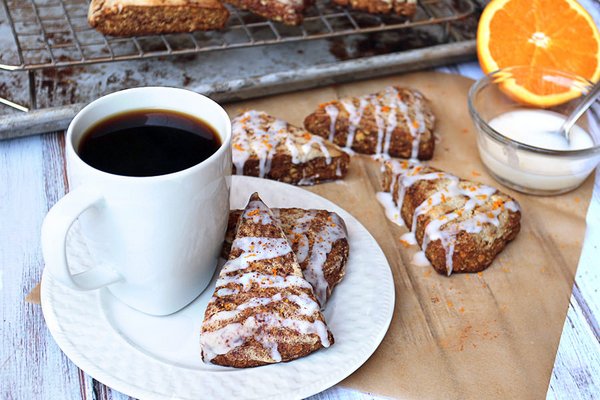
(585,103)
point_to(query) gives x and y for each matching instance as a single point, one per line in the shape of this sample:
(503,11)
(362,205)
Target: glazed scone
(318,238)
(460,225)
(290,12)
(268,147)
(148,17)
(396,121)
(263,311)
(399,7)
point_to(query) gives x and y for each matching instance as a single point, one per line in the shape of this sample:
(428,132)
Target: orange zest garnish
(252,213)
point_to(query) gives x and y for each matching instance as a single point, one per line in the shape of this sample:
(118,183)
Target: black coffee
(148,143)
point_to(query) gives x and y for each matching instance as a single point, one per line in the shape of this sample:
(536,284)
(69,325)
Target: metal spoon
(586,102)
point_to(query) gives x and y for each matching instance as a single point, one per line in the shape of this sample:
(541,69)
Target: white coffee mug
(154,240)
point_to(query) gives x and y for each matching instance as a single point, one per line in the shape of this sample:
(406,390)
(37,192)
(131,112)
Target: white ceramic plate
(159,357)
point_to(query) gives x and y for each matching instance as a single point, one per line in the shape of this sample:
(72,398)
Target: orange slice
(556,34)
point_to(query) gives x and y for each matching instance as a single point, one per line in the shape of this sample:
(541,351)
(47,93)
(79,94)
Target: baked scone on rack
(289,12)
(318,238)
(460,225)
(263,311)
(400,7)
(268,147)
(149,17)
(396,122)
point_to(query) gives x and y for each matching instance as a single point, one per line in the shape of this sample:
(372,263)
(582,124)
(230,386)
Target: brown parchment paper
(469,336)
(491,335)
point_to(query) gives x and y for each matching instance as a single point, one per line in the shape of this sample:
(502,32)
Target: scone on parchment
(263,311)
(149,17)
(460,225)
(289,12)
(268,147)
(318,238)
(400,7)
(396,122)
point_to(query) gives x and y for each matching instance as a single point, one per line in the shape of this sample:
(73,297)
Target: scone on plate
(399,7)
(290,12)
(396,122)
(268,147)
(460,225)
(149,17)
(318,238)
(263,311)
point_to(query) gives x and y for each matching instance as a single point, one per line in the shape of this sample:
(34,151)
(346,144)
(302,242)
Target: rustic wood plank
(576,371)
(33,367)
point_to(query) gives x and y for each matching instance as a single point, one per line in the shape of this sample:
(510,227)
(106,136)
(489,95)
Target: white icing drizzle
(420,259)
(247,280)
(254,249)
(379,122)
(333,112)
(409,238)
(354,117)
(407,174)
(306,306)
(392,211)
(231,336)
(258,212)
(256,133)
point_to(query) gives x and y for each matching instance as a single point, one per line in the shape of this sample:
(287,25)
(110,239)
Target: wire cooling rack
(55,33)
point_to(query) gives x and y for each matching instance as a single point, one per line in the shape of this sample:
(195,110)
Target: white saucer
(159,357)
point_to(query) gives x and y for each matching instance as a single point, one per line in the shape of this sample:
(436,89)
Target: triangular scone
(319,239)
(263,311)
(396,122)
(268,147)
(460,225)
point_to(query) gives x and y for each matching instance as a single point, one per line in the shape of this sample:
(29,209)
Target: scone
(396,122)
(318,238)
(400,7)
(268,147)
(290,12)
(149,17)
(263,311)
(460,225)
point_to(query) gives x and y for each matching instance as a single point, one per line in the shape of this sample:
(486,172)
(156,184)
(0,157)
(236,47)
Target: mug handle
(54,240)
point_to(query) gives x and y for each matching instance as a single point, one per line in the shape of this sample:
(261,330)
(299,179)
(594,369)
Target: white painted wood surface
(33,367)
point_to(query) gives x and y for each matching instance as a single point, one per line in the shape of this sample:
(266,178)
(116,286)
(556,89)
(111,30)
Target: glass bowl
(520,166)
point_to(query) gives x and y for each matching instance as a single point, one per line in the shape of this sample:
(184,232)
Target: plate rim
(82,361)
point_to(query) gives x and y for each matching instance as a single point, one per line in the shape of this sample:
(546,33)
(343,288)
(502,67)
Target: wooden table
(32,179)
